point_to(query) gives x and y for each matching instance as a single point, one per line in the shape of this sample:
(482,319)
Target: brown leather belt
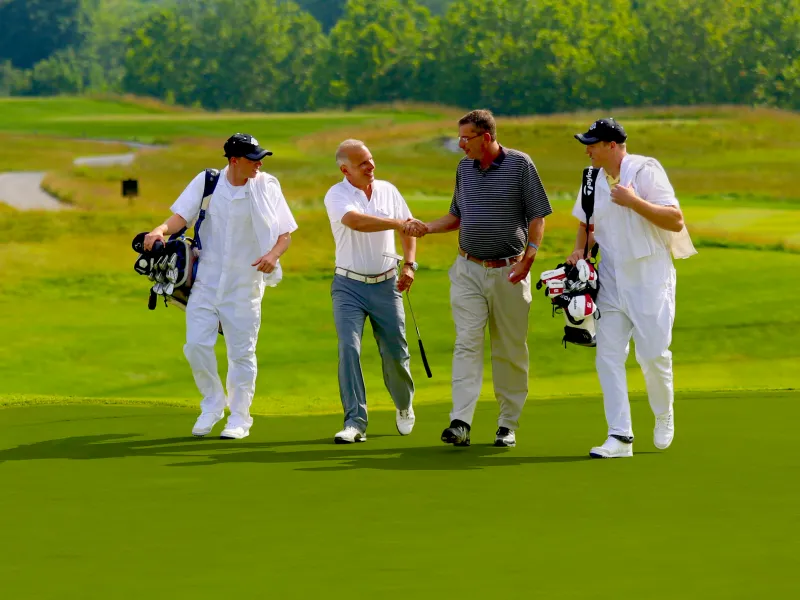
(492,264)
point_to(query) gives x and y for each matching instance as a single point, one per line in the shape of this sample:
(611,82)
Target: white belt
(365,278)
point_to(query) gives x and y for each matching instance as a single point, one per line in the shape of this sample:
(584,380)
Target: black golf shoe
(457,434)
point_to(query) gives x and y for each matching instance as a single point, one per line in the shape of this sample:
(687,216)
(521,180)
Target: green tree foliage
(32,30)
(245,54)
(377,50)
(514,56)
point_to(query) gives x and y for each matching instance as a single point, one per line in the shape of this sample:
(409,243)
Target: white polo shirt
(359,251)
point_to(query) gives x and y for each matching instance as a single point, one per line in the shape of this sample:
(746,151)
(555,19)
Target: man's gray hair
(344,149)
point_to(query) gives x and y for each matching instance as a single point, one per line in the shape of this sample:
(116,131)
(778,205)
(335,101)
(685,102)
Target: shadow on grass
(322,456)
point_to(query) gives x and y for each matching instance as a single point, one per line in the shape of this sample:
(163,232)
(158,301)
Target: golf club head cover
(555,287)
(579,308)
(586,271)
(582,334)
(557,273)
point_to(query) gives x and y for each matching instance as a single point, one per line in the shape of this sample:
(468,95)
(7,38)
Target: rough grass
(82,329)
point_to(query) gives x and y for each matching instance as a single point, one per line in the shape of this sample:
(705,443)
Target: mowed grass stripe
(119,501)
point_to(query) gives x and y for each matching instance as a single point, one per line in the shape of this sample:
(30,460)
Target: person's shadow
(308,455)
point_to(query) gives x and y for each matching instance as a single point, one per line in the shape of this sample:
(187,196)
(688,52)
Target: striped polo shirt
(496,205)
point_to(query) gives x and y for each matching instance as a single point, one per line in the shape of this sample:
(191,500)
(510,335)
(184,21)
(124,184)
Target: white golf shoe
(405,420)
(505,438)
(234,433)
(665,430)
(205,423)
(349,435)
(612,448)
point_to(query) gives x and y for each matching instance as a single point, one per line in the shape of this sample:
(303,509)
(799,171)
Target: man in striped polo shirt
(499,206)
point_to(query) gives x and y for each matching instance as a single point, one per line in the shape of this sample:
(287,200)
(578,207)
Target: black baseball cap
(603,130)
(243,144)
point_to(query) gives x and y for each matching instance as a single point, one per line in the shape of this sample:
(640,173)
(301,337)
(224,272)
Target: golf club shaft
(419,338)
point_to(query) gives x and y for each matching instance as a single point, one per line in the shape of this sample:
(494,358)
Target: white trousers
(642,307)
(240,315)
(481,296)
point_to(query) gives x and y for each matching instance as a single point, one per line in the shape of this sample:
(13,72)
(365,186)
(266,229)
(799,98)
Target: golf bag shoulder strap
(212,177)
(211,180)
(588,185)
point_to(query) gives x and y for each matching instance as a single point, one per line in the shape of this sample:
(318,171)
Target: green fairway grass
(118,502)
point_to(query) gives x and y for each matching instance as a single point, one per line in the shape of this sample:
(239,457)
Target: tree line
(514,56)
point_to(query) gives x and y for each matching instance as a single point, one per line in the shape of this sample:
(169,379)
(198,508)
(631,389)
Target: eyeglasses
(464,139)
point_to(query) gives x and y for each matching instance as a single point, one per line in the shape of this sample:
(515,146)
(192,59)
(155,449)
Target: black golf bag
(173,266)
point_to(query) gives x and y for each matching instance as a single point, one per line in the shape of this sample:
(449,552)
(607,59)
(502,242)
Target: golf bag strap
(588,184)
(212,178)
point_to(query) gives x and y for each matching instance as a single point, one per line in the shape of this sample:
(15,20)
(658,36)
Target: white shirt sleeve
(188,203)
(577,209)
(286,222)
(339,203)
(653,185)
(401,210)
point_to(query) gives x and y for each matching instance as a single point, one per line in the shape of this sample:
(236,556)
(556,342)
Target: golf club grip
(424,358)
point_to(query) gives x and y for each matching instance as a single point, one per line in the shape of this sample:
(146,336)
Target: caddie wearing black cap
(638,224)
(245,226)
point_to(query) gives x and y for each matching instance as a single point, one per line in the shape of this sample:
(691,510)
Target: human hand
(520,270)
(623,195)
(406,279)
(267,263)
(414,228)
(157,235)
(574,257)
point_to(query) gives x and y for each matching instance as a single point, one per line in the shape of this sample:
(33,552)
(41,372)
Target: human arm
(668,217)
(406,278)
(268,262)
(535,234)
(537,207)
(184,210)
(368,223)
(580,244)
(172,225)
(449,222)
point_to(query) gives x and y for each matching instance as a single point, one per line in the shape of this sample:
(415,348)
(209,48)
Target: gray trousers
(353,302)
(481,297)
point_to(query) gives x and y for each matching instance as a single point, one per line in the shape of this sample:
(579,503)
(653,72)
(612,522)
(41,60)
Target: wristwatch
(414,265)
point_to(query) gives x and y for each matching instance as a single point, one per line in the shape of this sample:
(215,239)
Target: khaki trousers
(481,296)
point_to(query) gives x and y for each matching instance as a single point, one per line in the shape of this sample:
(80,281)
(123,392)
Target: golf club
(399,258)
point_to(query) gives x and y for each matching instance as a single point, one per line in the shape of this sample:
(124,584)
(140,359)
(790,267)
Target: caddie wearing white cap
(638,225)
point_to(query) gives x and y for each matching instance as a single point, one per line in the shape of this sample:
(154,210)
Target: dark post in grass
(130,189)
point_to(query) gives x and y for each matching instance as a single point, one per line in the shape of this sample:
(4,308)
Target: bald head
(355,161)
(346,149)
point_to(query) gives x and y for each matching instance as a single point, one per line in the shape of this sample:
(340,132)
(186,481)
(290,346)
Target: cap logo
(254,141)
(594,125)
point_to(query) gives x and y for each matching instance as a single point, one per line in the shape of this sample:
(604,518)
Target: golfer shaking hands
(498,207)
(364,213)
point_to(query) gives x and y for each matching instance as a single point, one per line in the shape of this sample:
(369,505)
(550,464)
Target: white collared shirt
(230,243)
(359,251)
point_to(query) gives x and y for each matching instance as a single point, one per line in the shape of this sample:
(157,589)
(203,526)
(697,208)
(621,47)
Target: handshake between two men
(414,228)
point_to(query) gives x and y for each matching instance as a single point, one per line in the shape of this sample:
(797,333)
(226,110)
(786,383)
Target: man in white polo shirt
(364,213)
